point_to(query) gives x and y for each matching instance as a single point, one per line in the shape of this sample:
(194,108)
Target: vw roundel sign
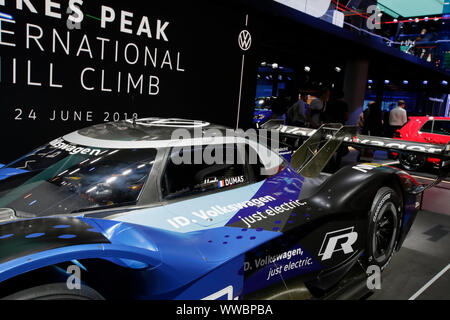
(245,40)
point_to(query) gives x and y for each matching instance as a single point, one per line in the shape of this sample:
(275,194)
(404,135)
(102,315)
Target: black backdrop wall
(166,58)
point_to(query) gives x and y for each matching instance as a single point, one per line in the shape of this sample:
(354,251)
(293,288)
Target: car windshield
(63,178)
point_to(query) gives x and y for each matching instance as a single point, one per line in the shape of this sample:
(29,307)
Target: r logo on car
(331,240)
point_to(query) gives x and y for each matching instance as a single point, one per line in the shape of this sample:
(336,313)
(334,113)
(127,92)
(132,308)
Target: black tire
(411,161)
(384,221)
(56,291)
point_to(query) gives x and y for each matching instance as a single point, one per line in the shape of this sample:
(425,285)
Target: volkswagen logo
(245,40)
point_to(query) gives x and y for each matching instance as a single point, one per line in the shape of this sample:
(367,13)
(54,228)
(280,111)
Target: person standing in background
(317,108)
(386,127)
(398,117)
(371,123)
(280,105)
(295,115)
(304,97)
(337,110)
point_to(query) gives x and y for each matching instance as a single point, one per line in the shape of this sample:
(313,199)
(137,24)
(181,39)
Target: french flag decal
(221,183)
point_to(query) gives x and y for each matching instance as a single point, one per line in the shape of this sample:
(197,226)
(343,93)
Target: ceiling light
(127,172)
(6,16)
(111,180)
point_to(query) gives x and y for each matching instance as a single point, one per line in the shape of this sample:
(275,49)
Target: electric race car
(434,130)
(130,212)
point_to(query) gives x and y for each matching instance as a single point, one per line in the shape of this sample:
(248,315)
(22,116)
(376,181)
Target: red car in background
(434,130)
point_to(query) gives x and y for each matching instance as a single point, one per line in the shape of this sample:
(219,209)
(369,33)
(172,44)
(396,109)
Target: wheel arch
(92,273)
(354,190)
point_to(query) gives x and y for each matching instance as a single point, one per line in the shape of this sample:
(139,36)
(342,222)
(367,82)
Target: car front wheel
(55,291)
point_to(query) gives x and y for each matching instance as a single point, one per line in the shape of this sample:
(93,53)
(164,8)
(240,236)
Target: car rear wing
(318,149)
(315,151)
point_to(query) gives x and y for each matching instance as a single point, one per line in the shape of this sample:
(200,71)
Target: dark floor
(425,253)
(420,270)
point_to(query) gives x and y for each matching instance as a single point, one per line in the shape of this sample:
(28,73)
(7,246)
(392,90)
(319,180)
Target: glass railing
(427,38)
